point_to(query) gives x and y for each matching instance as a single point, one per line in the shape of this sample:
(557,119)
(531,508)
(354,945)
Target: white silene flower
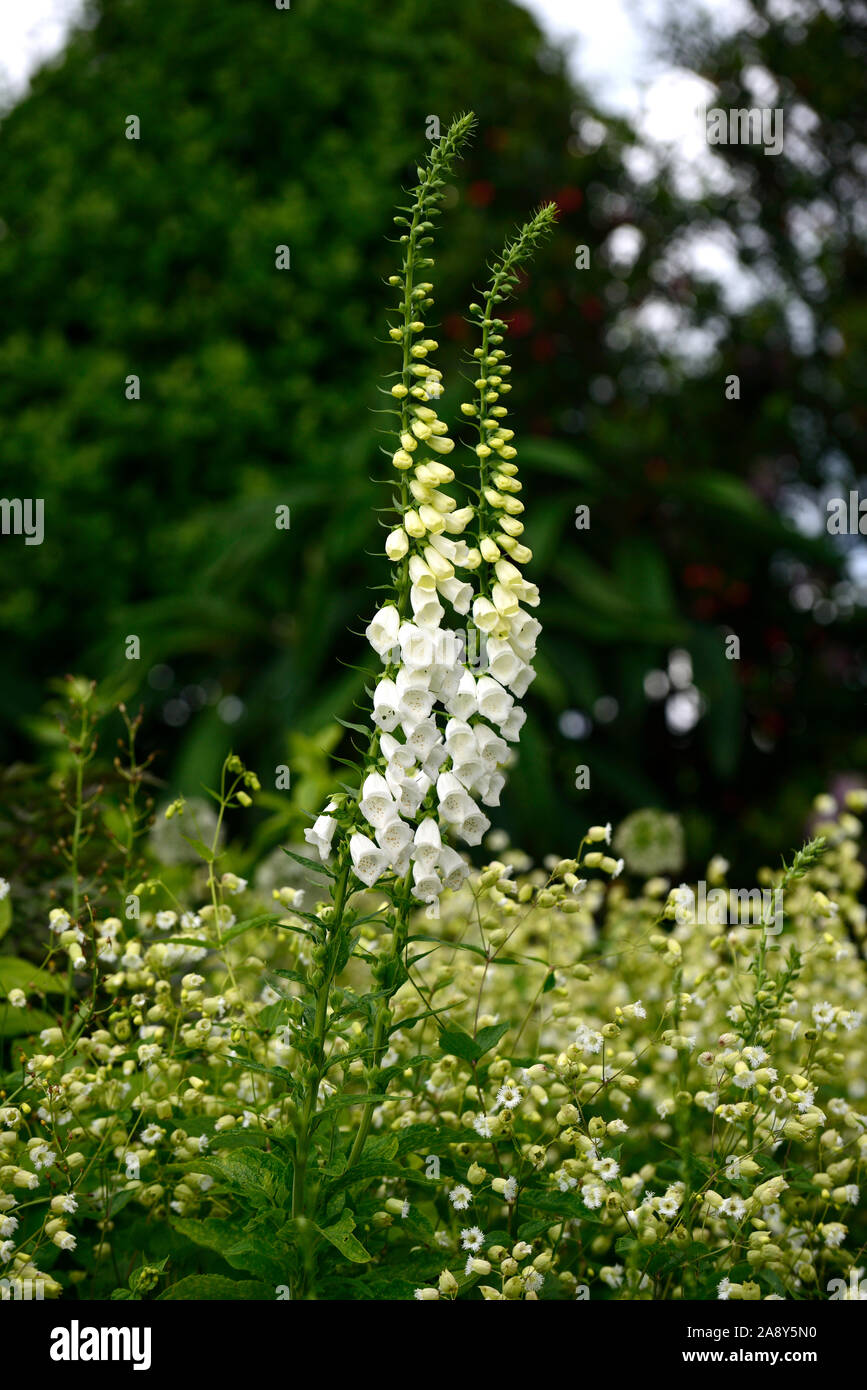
(833,1233)
(509,1096)
(472,1239)
(588,1039)
(460,1197)
(823,1014)
(4,888)
(16,999)
(735,1207)
(607,1168)
(165,920)
(482,1126)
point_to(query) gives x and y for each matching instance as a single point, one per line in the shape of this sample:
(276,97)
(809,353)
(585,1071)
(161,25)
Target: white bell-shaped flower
(427,885)
(368,860)
(453,868)
(454,804)
(377,803)
(321,833)
(381,631)
(511,727)
(494,702)
(386,705)
(464,703)
(503,663)
(427,844)
(473,826)
(394,839)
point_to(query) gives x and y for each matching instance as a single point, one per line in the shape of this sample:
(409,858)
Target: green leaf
(356,728)
(16,973)
(278,1073)
(262,919)
(254,1254)
(341,1237)
(486,1038)
(204,851)
(455,1043)
(426,1139)
(259,1176)
(217,1286)
(314,864)
(5,914)
(19,1023)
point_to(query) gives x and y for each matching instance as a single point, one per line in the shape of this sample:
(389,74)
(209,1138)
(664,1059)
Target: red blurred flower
(569,199)
(520,322)
(480,193)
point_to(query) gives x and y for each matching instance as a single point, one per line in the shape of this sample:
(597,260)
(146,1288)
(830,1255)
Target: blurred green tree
(155,258)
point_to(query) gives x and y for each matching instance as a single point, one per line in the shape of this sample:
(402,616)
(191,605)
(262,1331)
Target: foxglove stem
(320,1028)
(383,1014)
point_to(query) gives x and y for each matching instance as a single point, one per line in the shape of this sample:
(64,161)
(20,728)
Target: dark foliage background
(157,258)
